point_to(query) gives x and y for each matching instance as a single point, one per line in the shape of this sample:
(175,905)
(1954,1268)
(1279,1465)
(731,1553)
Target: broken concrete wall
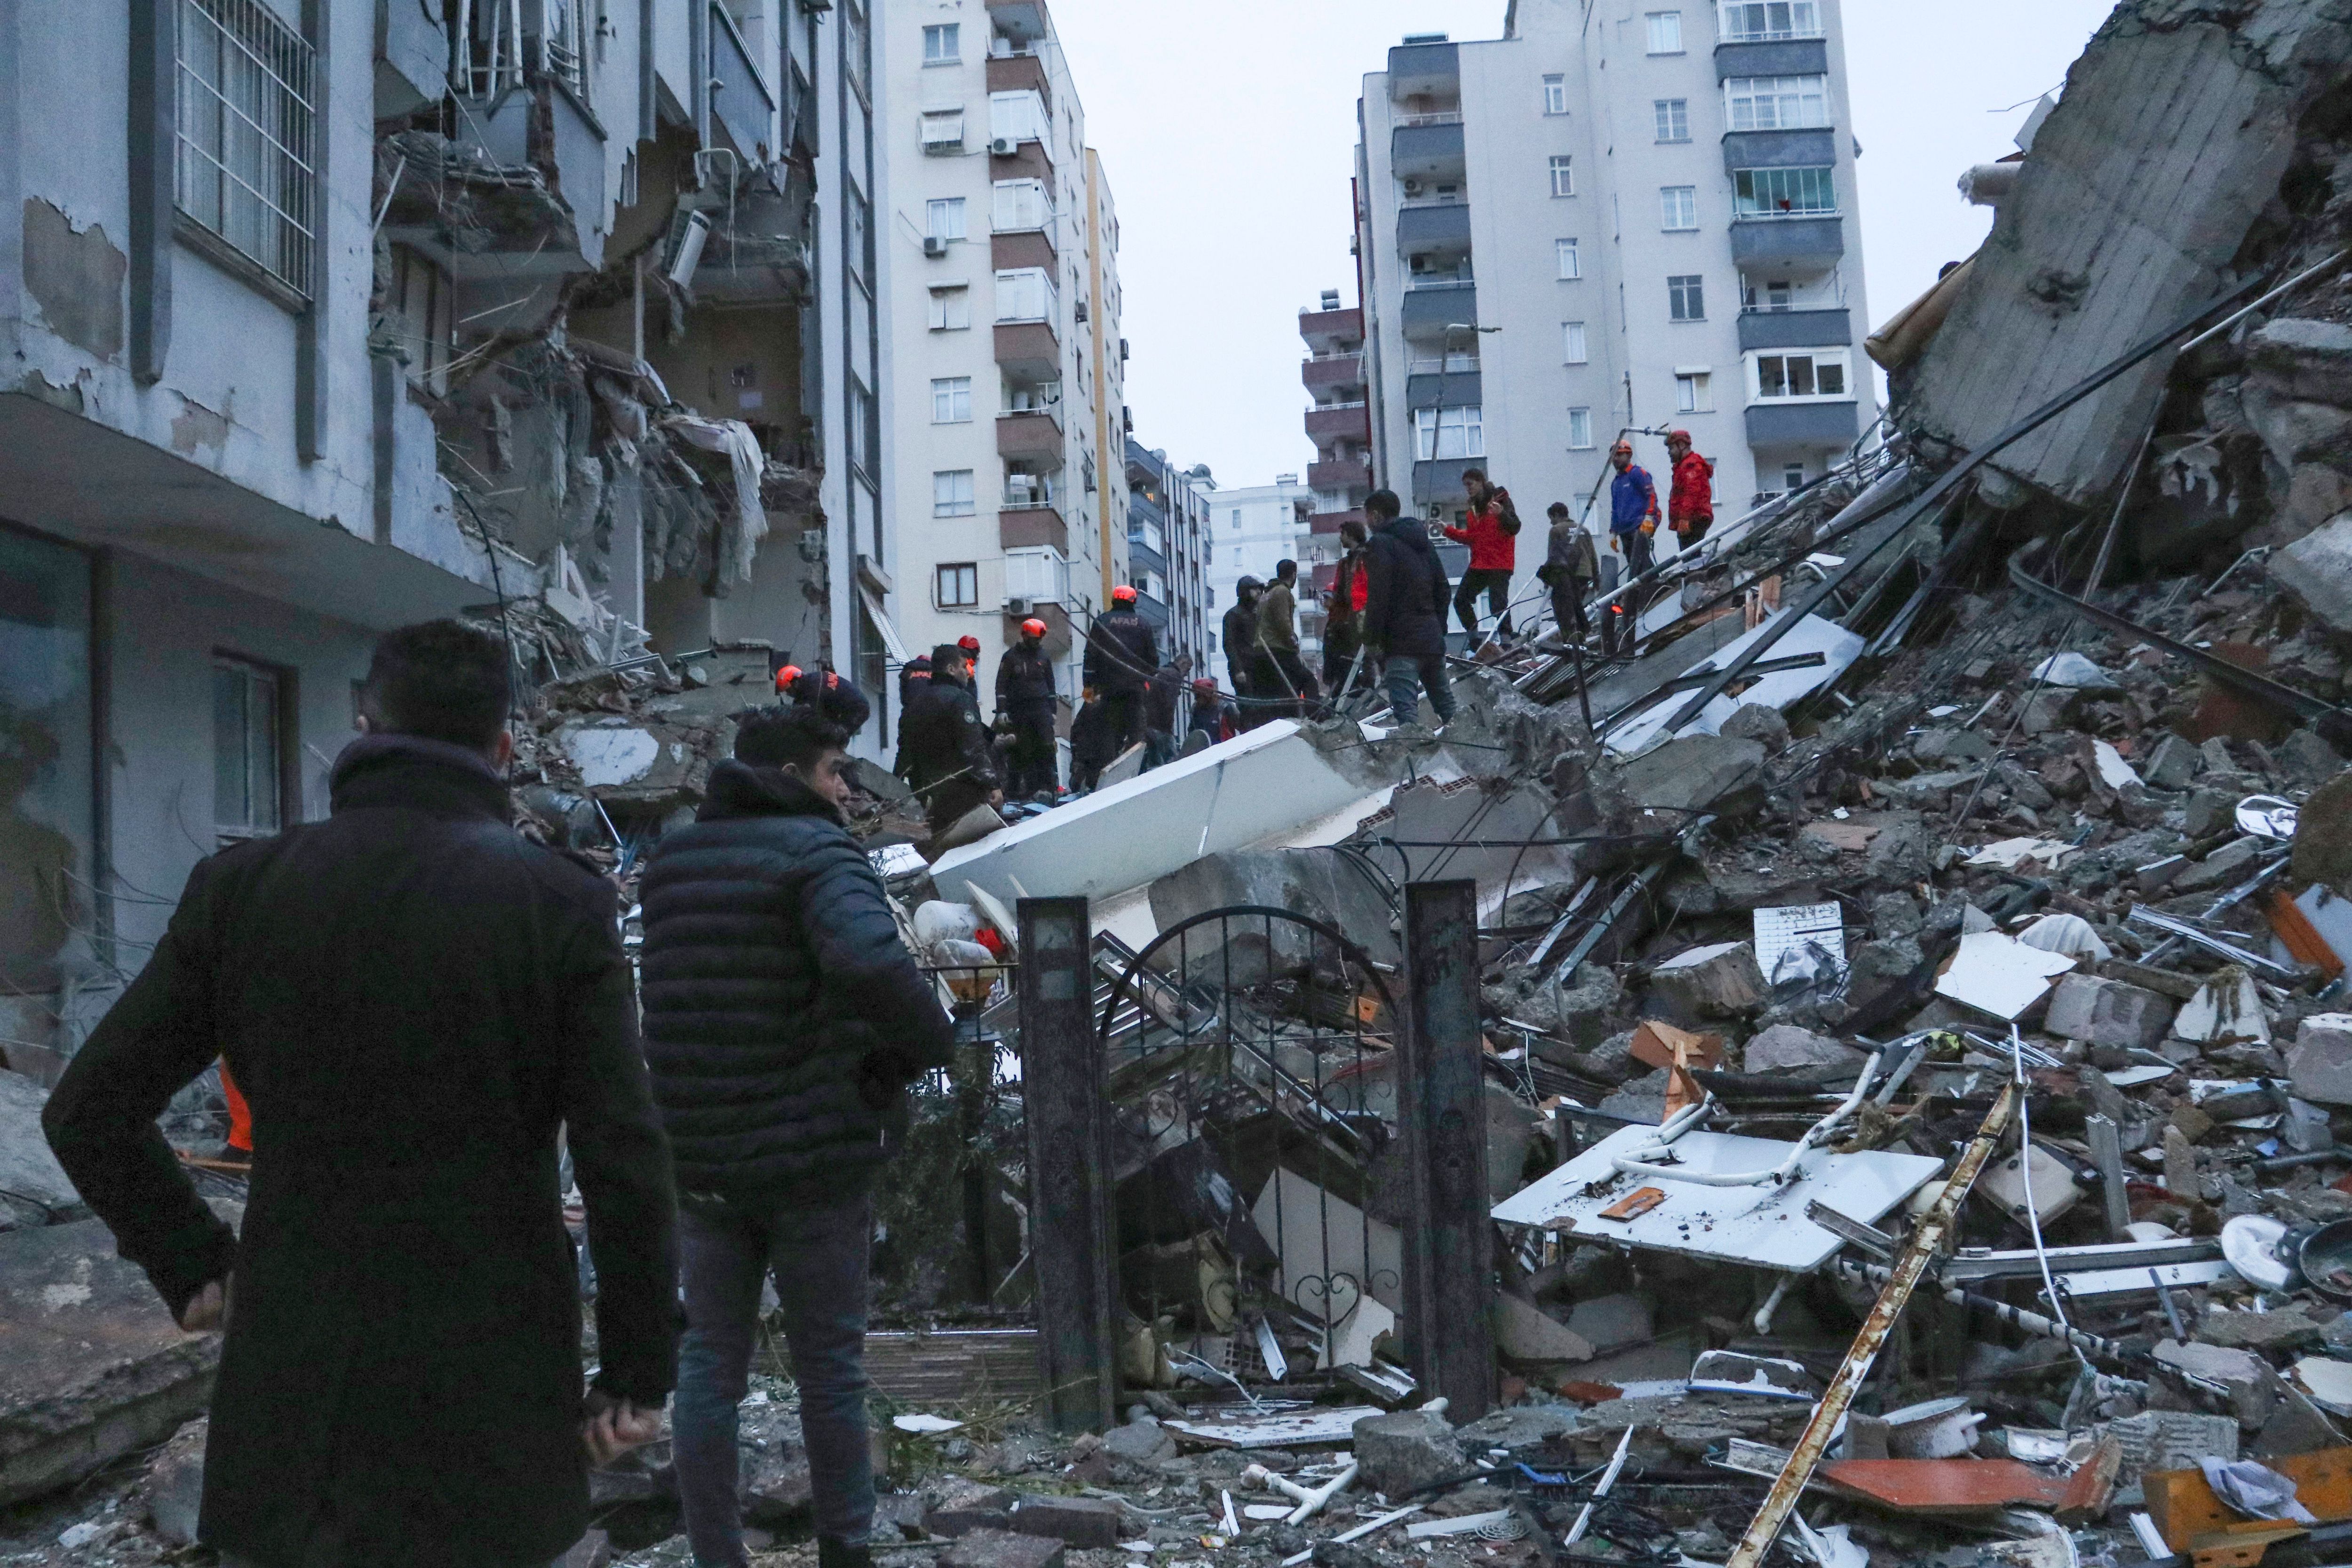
(2135,204)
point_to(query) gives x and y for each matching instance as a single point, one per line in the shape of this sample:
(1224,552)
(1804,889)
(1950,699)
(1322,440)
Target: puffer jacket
(783,1016)
(1405,613)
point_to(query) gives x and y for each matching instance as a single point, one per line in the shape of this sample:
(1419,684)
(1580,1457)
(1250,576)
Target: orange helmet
(785,676)
(1032,627)
(1681,436)
(1122,595)
(1624,447)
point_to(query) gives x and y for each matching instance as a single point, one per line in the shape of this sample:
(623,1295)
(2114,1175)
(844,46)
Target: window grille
(245,169)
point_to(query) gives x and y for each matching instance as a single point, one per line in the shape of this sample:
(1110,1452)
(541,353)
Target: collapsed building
(1861,1076)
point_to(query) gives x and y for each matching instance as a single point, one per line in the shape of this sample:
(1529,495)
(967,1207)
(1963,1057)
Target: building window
(420,311)
(951,308)
(1686,299)
(1572,342)
(1792,476)
(249,754)
(1818,375)
(959,587)
(1665,32)
(865,428)
(1563,174)
(1555,95)
(1765,21)
(45,701)
(1565,250)
(1026,294)
(858,47)
(951,493)
(1775,102)
(1677,207)
(1580,429)
(1017,116)
(1774,294)
(1784,192)
(944,218)
(1022,205)
(951,400)
(1691,393)
(943,130)
(943,45)
(1674,119)
(1443,432)
(243,167)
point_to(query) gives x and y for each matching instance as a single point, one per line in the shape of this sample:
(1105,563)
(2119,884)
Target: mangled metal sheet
(1777,688)
(1762,1226)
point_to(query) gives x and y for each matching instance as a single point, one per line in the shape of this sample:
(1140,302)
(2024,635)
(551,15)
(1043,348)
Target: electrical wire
(2032,1211)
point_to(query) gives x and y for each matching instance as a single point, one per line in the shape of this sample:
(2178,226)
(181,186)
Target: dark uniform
(1240,641)
(1092,745)
(943,747)
(1122,653)
(1024,699)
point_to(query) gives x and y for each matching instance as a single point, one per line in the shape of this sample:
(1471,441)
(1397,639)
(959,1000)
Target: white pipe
(1634,1163)
(1361,1531)
(1772,1303)
(1309,1502)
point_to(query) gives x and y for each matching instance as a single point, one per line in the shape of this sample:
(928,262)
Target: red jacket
(1693,493)
(1491,549)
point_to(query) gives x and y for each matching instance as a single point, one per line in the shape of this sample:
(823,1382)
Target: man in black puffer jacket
(784,1020)
(1404,611)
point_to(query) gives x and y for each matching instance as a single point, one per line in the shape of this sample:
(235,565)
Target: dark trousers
(1339,651)
(1284,684)
(818,1257)
(1495,584)
(1034,765)
(949,801)
(1694,530)
(1124,712)
(1568,607)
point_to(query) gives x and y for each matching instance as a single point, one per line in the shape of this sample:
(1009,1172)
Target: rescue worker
(1690,504)
(1405,615)
(1572,566)
(1160,699)
(943,745)
(1343,624)
(1240,632)
(1122,653)
(1632,523)
(1491,531)
(1091,743)
(1025,703)
(1284,684)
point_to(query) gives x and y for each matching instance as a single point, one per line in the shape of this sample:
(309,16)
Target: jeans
(819,1259)
(1405,677)
(1159,748)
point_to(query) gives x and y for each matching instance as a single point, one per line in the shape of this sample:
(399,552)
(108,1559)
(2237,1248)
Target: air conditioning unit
(1412,187)
(1082,311)
(934,246)
(1003,147)
(1017,607)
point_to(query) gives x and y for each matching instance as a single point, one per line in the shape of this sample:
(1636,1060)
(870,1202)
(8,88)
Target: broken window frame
(253,800)
(244,176)
(1775,102)
(50,692)
(1809,191)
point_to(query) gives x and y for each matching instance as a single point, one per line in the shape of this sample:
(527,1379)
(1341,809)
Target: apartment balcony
(1789,241)
(544,126)
(1030,160)
(1431,309)
(412,59)
(1441,480)
(1444,389)
(1340,474)
(1330,521)
(1778,57)
(1024,525)
(1022,248)
(1795,328)
(1429,229)
(1026,22)
(1326,372)
(1031,435)
(743,106)
(1024,72)
(1832,424)
(1332,332)
(1029,350)
(1424,70)
(1814,149)
(1427,147)
(1339,422)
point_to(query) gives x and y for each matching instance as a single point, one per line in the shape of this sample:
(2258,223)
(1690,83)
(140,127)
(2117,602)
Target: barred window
(244,168)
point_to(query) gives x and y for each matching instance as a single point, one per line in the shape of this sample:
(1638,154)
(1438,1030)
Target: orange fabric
(240,1115)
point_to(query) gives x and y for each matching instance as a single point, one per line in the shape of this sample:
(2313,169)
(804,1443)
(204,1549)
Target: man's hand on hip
(208,1309)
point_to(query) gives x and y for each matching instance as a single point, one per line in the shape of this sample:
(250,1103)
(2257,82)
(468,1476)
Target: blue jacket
(1632,499)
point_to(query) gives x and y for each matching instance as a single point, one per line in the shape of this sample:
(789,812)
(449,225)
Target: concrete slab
(91,1365)
(1780,688)
(29,1173)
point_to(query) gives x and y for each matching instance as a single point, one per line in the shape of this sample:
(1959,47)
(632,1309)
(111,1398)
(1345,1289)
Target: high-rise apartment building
(1168,549)
(1614,218)
(1339,421)
(1010,438)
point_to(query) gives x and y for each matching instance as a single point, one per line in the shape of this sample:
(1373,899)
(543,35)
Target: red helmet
(1681,436)
(1122,595)
(786,676)
(969,643)
(1032,627)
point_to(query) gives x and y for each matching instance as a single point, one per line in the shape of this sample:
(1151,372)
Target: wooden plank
(963,1367)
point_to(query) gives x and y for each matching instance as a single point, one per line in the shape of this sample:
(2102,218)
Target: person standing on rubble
(1343,625)
(1571,568)
(1240,630)
(1122,654)
(1282,677)
(1405,613)
(1491,530)
(943,748)
(1160,699)
(1093,747)
(414,998)
(1690,504)
(1633,524)
(1025,700)
(785,1021)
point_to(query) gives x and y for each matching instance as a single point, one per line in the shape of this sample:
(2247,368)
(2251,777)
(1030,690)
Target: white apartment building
(1168,549)
(326,318)
(1622,216)
(1249,532)
(1010,441)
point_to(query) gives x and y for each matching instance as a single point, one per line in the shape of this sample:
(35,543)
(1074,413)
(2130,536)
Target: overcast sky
(1228,129)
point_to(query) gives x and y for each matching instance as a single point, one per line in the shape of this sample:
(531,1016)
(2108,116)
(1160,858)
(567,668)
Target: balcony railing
(1450,364)
(1428,283)
(1414,204)
(1444,116)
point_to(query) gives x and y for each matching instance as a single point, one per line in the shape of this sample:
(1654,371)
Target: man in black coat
(1161,699)
(1122,655)
(413,999)
(783,1021)
(944,752)
(1093,747)
(1026,702)
(1240,632)
(1404,610)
